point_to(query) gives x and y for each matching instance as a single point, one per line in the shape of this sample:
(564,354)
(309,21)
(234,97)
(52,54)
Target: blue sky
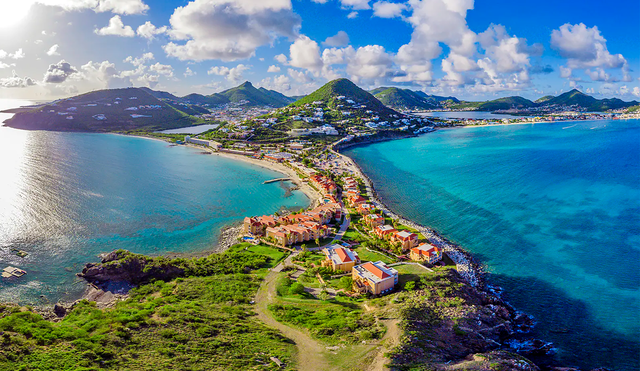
(471,49)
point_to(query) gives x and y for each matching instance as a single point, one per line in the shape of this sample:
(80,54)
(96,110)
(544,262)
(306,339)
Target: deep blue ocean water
(67,197)
(552,210)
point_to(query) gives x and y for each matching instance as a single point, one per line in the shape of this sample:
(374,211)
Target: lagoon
(67,197)
(475,115)
(552,210)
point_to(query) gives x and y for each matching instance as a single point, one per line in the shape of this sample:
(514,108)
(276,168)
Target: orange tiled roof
(375,270)
(343,255)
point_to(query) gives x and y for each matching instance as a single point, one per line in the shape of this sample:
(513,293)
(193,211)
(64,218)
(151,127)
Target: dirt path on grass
(389,341)
(310,352)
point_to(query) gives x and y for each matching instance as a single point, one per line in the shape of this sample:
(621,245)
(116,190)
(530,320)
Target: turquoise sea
(552,210)
(67,197)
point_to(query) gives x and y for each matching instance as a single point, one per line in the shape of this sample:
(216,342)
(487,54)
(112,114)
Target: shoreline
(466,265)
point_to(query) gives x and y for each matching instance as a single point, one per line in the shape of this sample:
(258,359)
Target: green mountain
(576,97)
(160,94)
(403,99)
(255,97)
(505,104)
(544,99)
(339,92)
(277,95)
(211,100)
(437,99)
(573,97)
(104,111)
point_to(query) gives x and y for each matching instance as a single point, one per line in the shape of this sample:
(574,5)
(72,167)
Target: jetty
(276,180)
(13,272)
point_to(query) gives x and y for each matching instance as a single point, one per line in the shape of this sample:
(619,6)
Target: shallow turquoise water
(553,210)
(67,197)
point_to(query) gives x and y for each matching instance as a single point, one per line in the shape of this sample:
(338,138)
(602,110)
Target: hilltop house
(340,258)
(374,277)
(426,253)
(406,239)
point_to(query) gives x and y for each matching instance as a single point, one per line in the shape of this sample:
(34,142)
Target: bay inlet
(67,197)
(552,213)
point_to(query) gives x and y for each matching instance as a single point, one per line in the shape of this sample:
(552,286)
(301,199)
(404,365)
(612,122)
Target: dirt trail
(310,352)
(389,341)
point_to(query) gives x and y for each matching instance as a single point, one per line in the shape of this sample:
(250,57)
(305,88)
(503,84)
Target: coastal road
(343,227)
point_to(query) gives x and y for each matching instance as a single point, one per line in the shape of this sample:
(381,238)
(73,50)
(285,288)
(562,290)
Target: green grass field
(189,323)
(366,255)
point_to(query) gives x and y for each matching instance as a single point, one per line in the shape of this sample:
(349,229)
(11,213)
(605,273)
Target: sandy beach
(312,194)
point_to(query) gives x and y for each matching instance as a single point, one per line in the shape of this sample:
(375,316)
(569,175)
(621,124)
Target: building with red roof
(426,253)
(340,258)
(374,277)
(406,239)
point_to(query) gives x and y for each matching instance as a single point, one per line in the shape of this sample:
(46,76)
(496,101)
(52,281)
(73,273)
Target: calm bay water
(477,115)
(553,210)
(67,197)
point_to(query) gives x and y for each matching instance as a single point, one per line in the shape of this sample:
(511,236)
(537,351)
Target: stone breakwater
(468,268)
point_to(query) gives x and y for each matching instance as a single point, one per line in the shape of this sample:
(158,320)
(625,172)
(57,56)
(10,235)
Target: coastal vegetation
(202,320)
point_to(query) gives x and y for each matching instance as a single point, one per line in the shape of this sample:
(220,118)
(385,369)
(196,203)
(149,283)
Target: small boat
(13,272)
(20,253)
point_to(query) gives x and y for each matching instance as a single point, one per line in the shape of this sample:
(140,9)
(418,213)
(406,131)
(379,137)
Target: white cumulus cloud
(114,6)
(149,31)
(53,50)
(229,29)
(116,28)
(234,74)
(385,9)
(339,39)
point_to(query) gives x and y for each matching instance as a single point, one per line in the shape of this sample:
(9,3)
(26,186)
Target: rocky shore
(465,264)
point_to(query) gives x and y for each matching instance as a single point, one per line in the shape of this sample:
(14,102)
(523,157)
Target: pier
(276,180)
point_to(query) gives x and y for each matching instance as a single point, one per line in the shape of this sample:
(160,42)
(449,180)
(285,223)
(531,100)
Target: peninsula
(344,284)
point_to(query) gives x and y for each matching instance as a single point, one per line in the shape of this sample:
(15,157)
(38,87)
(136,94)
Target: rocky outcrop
(447,320)
(122,265)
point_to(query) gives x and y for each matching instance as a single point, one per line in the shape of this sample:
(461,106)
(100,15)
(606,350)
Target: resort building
(374,277)
(356,200)
(202,142)
(426,253)
(324,184)
(296,233)
(406,239)
(340,258)
(384,231)
(364,209)
(374,220)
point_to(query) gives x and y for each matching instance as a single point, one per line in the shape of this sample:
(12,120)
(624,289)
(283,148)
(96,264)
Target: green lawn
(202,322)
(335,321)
(275,254)
(409,272)
(366,255)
